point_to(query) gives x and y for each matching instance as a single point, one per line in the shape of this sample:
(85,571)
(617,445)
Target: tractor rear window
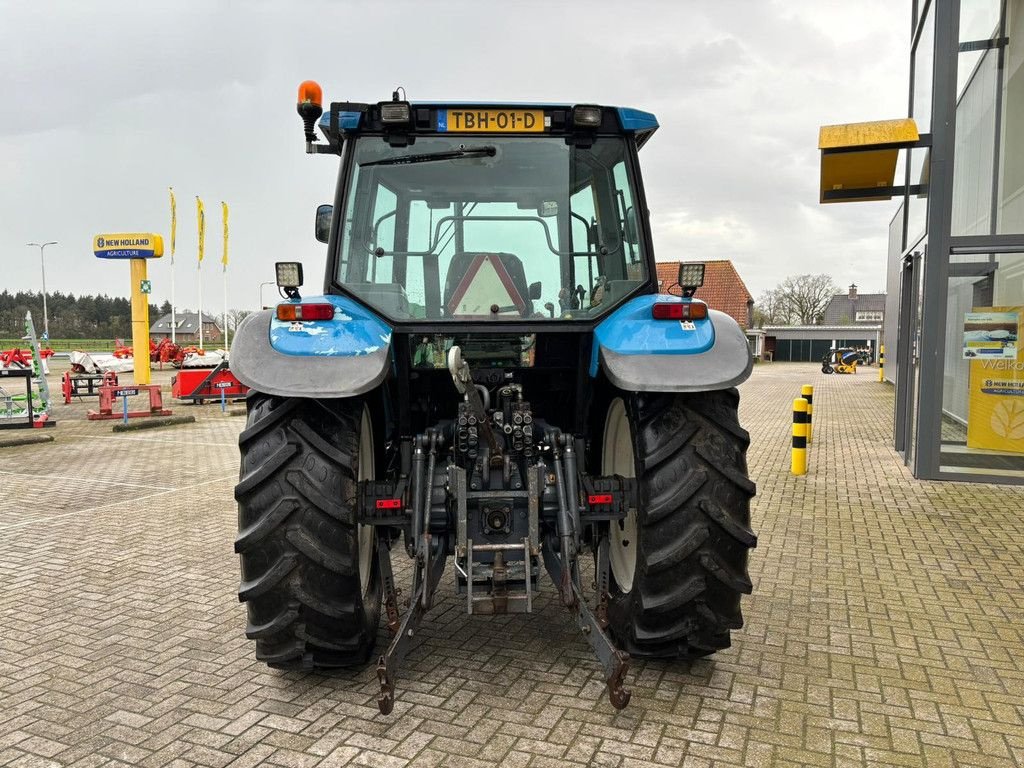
(486,228)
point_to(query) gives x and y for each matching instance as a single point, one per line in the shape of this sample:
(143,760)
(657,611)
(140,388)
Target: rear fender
(640,354)
(343,357)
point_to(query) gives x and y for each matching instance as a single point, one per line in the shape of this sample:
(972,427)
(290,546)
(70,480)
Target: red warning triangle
(486,284)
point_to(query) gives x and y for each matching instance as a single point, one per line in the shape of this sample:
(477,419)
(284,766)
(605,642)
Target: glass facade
(1011,134)
(958,268)
(924,51)
(973,165)
(983,376)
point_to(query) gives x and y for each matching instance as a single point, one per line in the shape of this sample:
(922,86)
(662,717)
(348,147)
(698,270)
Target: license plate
(491,120)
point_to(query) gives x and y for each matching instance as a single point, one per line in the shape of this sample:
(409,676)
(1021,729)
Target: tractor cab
(455,213)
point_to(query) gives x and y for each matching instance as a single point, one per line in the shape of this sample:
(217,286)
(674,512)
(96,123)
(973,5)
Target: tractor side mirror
(534,291)
(632,236)
(324,214)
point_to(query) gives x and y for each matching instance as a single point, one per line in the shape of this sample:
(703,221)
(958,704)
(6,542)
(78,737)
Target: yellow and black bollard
(881,362)
(798,460)
(807,393)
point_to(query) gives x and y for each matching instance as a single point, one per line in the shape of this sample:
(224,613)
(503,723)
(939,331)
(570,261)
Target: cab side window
(584,228)
(628,223)
(380,268)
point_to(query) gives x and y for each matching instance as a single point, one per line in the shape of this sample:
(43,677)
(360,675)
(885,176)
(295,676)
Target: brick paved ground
(885,626)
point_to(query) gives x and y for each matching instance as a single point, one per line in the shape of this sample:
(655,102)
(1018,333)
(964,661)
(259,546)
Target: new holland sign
(128,245)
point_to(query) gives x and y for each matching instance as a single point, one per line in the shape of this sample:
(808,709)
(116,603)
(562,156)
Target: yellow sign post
(136,247)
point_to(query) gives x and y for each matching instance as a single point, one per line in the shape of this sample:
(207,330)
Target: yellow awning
(862,156)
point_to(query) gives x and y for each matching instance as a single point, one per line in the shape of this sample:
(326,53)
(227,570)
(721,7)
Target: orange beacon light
(310,106)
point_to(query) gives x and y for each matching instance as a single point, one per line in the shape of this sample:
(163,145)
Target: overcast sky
(102,110)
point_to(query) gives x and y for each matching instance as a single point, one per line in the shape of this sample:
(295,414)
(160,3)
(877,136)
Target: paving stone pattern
(885,627)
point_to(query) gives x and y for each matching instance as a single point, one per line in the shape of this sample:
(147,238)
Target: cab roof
(353,118)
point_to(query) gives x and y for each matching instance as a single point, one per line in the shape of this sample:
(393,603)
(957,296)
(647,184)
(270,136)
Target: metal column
(939,221)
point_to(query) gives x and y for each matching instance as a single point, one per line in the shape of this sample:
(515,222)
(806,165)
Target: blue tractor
(491,377)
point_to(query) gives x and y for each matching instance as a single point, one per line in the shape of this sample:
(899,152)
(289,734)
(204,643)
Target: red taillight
(679,310)
(292,312)
(389,504)
(597,499)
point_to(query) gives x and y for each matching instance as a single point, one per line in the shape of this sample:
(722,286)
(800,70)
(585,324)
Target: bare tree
(771,309)
(806,297)
(235,316)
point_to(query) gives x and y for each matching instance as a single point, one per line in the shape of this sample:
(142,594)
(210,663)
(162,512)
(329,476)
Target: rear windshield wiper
(486,151)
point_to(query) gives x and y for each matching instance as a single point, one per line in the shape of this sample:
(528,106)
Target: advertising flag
(224,212)
(202,227)
(174,220)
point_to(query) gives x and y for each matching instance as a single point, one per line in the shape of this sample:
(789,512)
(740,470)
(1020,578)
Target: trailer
(201,384)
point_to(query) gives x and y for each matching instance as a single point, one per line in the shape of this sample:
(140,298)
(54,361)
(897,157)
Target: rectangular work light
(586,116)
(395,112)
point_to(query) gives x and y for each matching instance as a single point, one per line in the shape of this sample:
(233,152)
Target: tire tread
(297,538)
(694,526)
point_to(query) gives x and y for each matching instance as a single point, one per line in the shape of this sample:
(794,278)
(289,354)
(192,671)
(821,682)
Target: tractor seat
(466,267)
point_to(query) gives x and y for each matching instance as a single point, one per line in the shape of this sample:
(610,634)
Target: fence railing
(63,345)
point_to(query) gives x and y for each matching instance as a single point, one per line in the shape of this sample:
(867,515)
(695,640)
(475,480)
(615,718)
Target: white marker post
(201,218)
(174,227)
(224,262)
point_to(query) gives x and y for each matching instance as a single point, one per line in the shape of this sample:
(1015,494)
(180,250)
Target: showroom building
(956,244)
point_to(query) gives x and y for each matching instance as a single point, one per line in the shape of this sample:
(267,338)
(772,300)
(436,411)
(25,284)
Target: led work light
(289,274)
(691,277)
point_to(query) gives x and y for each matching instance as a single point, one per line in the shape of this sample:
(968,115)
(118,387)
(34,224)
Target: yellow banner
(174,220)
(224,215)
(201,217)
(995,419)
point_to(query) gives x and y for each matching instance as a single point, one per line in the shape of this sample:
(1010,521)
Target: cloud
(73,64)
(666,71)
(106,105)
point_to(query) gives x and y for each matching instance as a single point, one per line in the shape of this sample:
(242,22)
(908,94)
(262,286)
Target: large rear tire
(679,563)
(308,573)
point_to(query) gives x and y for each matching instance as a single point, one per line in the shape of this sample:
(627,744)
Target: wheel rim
(364,533)
(617,458)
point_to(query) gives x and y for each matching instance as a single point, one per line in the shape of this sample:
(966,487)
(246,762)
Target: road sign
(486,290)
(145,286)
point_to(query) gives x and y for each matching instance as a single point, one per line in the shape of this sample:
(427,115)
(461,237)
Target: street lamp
(261,291)
(42,264)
